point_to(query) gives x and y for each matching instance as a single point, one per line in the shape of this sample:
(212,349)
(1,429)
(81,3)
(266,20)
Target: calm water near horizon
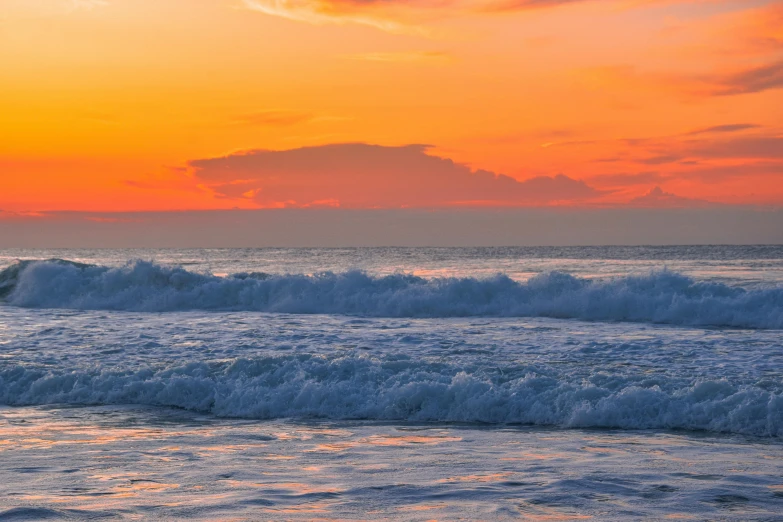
(606,383)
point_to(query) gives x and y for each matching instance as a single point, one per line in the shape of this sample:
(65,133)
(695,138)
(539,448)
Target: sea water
(612,383)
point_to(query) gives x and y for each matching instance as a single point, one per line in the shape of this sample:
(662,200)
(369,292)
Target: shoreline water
(577,415)
(151,462)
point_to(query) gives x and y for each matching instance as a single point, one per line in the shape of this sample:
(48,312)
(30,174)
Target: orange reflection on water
(205,451)
(493,477)
(142,486)
(335,447)
(282,435)
(42,498)
(330,432)
(537,456)
(104,477)
(300,488)
(294,488)
(403,440)
(423,507)
(45,435)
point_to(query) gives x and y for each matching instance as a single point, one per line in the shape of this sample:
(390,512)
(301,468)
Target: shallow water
(139,463)
(600,391)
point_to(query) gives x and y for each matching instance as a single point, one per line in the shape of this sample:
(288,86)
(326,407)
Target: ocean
(605,383)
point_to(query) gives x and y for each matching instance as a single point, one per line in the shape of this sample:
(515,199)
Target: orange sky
(120,105)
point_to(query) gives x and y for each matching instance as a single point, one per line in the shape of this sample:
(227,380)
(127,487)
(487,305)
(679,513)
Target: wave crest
(354,387)
(141,286)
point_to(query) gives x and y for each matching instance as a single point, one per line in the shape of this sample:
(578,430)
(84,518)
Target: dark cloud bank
(400,227)
(358,175)
(401,196)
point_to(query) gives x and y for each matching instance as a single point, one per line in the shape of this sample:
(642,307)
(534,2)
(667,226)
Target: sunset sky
(138,105)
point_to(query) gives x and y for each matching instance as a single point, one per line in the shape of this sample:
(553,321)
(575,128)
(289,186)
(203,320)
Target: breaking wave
(660,297)
(355,387)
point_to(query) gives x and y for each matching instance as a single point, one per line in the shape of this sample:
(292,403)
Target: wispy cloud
(393,17)
(756,30)
(750,80)
(627,180)
(405,16)
(8,215)
(525,5)
(724,129)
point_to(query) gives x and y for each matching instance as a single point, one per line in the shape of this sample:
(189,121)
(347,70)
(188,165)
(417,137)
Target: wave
(141,286)
(403,389)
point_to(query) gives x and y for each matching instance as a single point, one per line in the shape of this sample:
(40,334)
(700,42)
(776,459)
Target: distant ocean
(612,383)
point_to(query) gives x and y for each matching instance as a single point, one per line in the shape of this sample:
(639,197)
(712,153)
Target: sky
(189,105)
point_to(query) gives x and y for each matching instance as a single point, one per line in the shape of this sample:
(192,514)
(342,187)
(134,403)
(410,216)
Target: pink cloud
(356,175)
(748,80)
(657,198)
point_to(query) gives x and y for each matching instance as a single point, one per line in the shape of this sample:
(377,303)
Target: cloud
(657,198)
(711,174)
(8,215)
(765,74)
(704,175)
(402,16)
(722,129)
(745,81)
(752,31)
(746,147)
(394,17)
(357,175)
(723,224)
(661,159)
(627,180)
(744,42)
(525,5)
(718,143)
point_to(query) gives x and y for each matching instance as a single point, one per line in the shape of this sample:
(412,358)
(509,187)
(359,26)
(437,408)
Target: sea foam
(356,387)
(141,286)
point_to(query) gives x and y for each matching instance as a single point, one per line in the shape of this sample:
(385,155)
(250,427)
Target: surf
(141,286)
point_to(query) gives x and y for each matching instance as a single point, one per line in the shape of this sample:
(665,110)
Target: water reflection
(140,463)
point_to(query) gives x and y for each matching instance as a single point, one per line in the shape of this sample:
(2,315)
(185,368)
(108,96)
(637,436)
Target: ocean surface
(605,383)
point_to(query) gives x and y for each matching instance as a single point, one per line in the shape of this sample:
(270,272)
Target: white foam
(355,387)
(660,297)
